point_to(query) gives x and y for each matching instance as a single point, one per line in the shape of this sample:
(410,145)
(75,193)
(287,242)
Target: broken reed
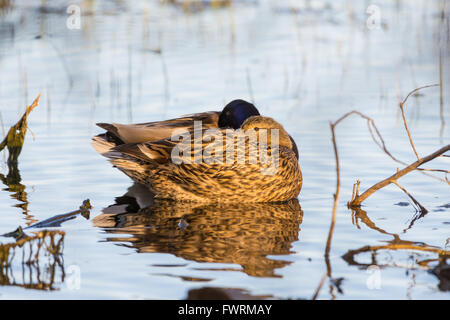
(16,135)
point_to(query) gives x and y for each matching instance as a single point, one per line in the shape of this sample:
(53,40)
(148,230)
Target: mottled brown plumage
(210,169)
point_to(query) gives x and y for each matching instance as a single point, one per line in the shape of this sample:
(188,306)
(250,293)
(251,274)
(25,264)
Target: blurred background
(304,63)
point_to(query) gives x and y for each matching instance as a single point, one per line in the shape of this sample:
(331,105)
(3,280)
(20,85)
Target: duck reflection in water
(238,233)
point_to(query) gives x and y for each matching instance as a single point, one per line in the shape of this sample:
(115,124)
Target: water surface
(303,63)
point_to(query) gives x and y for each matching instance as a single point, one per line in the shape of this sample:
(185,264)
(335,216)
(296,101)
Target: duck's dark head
(235,113)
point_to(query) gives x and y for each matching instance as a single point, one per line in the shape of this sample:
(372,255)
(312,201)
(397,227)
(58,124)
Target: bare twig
(401,104)
(421,208)
(336,195)
(356,202)
(381,144)
(84,210)
(358,199)
(333,215)
(417,89)
(408,132)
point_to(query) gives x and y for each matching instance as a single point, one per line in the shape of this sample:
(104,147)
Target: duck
(233,155)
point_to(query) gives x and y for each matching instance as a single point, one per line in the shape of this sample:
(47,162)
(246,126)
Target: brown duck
(231,156)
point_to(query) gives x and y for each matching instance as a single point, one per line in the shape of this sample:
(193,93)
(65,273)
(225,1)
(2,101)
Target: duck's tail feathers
(102,144)
(107,127)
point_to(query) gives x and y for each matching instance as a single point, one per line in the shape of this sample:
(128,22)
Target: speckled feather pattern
(150,164)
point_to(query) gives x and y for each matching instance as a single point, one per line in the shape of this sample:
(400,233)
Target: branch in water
(356,202)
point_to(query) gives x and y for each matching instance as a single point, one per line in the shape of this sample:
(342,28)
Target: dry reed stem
(336,195)
(408,132)
(333,215)
(401,104)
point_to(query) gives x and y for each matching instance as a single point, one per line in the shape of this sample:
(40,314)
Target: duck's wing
(149,152)
(209,146)
(158,152)
(155,131)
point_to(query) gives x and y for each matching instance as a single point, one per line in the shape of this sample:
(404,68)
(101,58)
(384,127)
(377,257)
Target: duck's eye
(256,129)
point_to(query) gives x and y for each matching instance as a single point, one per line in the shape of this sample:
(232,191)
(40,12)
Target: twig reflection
(40,260)
(419,253)
(13,182)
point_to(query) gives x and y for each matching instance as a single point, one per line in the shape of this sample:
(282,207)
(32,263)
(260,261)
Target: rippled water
(303,63)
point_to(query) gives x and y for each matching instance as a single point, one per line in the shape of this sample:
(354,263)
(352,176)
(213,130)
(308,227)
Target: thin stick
(402,103)
(353,192)
(417,89)
(333,215)
(371,124)
(359,199)
(407,131)
(422,208)
(336,195)
(381,144)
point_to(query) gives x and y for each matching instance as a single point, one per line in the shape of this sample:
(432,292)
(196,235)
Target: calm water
(303,63)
